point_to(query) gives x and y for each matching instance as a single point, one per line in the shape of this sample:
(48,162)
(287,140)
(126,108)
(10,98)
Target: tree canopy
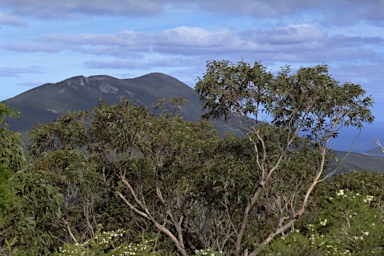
(307,104)
(118,177)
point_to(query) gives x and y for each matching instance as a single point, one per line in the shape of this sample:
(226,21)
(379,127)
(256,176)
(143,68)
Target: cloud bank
(179,36)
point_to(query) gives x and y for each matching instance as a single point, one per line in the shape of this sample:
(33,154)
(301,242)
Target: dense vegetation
(118,180)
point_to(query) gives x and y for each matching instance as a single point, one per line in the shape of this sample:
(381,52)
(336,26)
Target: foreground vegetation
(120,181)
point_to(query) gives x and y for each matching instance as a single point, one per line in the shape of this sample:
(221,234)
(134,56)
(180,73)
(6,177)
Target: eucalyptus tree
(60,149)
(11,160)
(11,147)
(154,165)
(143,172)
(308,106)
(29,206)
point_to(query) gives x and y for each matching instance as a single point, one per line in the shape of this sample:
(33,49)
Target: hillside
(47,102)
(351,161)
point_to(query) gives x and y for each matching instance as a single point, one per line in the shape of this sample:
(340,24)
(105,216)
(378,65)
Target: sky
(47,41)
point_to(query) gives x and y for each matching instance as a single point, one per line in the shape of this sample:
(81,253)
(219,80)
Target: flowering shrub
(113,244)
(208,252)
(349,224)
(108,243)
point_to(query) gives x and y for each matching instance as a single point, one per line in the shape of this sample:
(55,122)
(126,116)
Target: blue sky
(45,41)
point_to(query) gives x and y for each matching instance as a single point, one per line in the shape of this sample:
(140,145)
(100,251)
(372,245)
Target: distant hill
(47,102)
(351,161)
(375,152)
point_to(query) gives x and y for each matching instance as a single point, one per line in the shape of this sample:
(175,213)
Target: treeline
(118,180)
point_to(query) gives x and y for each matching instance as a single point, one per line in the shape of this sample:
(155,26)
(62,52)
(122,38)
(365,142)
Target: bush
(108,243)
(349,224)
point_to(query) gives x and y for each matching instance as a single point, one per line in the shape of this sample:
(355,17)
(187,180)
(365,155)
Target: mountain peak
(47,102)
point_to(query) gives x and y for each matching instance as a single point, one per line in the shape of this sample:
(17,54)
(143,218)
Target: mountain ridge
(47,102)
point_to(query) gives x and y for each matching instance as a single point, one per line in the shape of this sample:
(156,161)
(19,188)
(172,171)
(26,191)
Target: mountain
(47,102)
(351,161)
(375,152)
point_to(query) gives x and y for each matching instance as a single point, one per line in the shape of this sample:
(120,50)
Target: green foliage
(68,131)
(363,182)
(108,243)
(305,110)
(209,252)
(178,183)
(227,88)
(349,224)
(6,195)
(7,111)
(328,102)
(11,160)
(61,149)
(29,205)
(162,158)
(34,212)
(157,162)
(310,99)
(11,145)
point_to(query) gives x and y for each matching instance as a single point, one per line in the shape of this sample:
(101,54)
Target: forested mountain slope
(47,102)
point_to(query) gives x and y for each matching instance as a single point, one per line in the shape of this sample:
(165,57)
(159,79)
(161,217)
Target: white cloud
(123,39)
(125,43)
(356,41)
(192,40)
(290,35)
(32,47)
(180,40)
(330,13)
(192,36)
(67,8)
(374,11)
(258,8)
(294,43)
(136,64)
(16,72)
(11,20)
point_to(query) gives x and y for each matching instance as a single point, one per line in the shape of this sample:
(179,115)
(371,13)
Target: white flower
(340,193)
(368,199)
(323,222)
